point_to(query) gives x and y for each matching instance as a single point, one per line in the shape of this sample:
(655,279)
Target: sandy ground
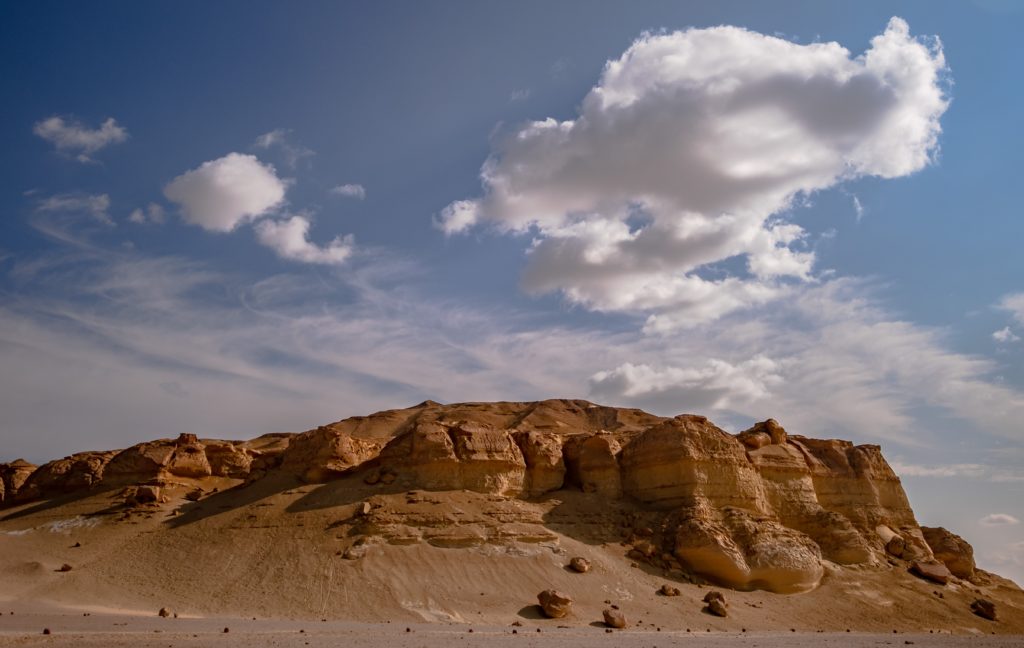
(273,552)
(25,628)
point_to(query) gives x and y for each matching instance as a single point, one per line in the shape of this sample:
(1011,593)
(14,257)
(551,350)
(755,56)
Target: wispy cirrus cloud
(281,140)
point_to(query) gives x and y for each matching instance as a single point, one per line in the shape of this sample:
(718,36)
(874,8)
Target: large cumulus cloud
(688,152)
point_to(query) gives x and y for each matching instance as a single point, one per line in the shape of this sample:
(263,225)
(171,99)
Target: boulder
(325,453)
(555,604)
(896,546)
(951,550)
(614,618)
(716,603)
(580,565)
(935,572)
(718,608)
(984,608)
(741,550)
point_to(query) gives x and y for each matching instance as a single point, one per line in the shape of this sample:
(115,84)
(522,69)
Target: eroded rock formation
(759,509)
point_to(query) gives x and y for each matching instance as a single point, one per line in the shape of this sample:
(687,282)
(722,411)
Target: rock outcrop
(761,509)
(325,453)
(79,472)
(951,550)
(14,475)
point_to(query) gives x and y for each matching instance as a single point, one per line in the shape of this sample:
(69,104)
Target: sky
(236,218)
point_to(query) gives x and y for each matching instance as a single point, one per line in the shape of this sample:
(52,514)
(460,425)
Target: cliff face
(758,510)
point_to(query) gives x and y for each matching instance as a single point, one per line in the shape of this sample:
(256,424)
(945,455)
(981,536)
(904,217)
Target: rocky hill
(674,499)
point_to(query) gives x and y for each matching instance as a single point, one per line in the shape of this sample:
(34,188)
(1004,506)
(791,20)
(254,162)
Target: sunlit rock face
(762,509)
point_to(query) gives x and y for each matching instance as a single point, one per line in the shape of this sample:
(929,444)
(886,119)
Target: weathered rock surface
(13,475)
(579,565)
(325,453)
(78,472)
(555,604)
(951,550)
(760,509)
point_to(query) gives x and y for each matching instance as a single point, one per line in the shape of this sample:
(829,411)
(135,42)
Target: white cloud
(975,471)
(153,213)
(1014,304)
(95,205)
(356,191)
(281,139)
(716,385)
(221,193)
(998,519)
(289,238)
(73,138)
(686,154)
(1005,335)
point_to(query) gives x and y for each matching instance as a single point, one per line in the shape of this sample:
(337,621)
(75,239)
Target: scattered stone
(716,603)
(554,603)
(614,618)
(984,608)
(932,571)
(46,631)
(227,630)
(363,509)
(164,612)
(718,608)
(668,590)
(65,568)
(581,565)
(194,495)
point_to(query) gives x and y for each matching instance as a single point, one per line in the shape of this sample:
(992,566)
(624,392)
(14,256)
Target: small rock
(363,509)
(65,568)
(614,618)
(984,608)
(164,612)
(715,594)
(717,607)
(387,478)
(46,631)
(581,565)
(668,590)
(194,495)
(554,603)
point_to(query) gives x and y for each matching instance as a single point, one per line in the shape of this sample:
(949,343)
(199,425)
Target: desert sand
(447,519)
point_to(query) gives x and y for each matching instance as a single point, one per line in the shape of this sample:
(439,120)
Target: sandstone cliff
(761,509)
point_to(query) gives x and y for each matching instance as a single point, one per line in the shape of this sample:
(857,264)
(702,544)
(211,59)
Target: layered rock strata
(759,509)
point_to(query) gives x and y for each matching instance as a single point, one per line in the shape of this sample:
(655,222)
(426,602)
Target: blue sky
(235,218)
